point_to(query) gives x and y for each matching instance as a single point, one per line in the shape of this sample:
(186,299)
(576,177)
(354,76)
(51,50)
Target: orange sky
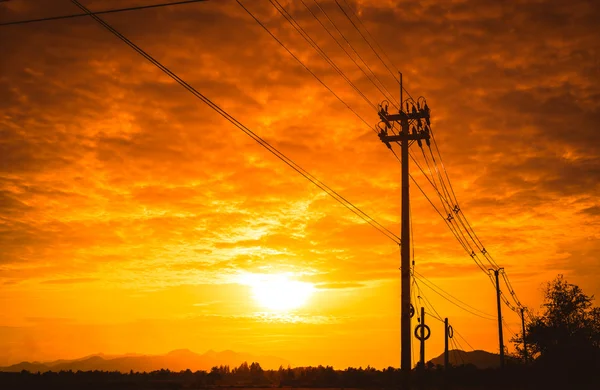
(129,210)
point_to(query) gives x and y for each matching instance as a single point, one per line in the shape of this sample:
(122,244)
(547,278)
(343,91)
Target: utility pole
(500,337)
(422,338)
(446,344)
(418,114)
(524,342)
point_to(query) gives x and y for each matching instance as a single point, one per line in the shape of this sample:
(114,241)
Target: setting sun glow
(278,292)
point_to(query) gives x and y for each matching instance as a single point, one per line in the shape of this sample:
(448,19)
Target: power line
(111,11)
(435,287)
(451,221)
(510,289)
(463,308)
(318,79)
(457,210)
(378,45)
(476,238)
(368,43)
(312,73)
(245,129)
(374,40)
(462,349)
(433,313)
(449,194)
(292,21)
(449,218)
(305,67)
(348,54)
(457,351)
(509,329)
(351,46)
(456,231)
(464,339)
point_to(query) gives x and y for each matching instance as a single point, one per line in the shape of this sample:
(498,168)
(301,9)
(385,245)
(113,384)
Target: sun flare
(278,292)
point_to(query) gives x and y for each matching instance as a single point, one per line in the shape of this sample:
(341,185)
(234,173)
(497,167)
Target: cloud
(70,281)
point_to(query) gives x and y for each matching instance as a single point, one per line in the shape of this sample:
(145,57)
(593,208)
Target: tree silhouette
(566,335)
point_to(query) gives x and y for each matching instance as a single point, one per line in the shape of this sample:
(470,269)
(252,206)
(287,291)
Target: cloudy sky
(133,218)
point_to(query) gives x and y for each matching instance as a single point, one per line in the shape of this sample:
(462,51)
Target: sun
(277,291)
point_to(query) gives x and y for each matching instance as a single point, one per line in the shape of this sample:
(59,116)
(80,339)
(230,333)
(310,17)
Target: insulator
(418,106)
(427,129)
(406,106)
(412,129)
(414,109)
(427,120)
(419,142)
(427,142)
(426,107)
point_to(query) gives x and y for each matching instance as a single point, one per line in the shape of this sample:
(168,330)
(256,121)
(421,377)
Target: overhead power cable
(374,40)
(511,289)
(456,220)
(455,231)
(110,11)
(463,338)
(365,39)
(378,45)
(457,350)
(454,204)
(509,329)
(387,95)
(304,65)
(455,301)
(449,221)
(460,347)
(353,49)
(382,229)
(292,21)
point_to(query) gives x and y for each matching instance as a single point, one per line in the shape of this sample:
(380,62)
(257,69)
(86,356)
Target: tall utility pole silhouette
(415,116)
(524,342)
(500,337)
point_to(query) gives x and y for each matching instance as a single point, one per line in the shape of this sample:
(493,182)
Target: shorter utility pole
(500,337)
(446,344)
(422,338)
(422,333)
(524,342)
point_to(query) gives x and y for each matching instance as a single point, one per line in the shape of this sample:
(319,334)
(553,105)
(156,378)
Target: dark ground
(459,378)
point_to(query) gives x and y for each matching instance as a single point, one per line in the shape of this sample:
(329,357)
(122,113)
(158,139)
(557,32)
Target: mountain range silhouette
(183,359)
(178,360)
(478,358)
